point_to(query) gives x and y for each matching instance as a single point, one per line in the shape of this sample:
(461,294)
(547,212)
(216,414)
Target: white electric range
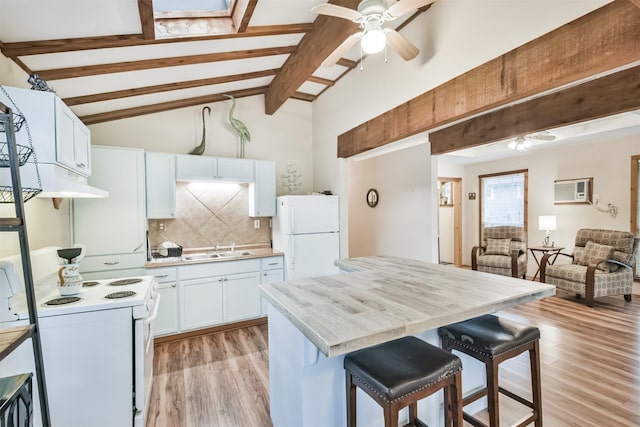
(97,348)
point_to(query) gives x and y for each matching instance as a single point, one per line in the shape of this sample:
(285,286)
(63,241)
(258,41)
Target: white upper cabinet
(160,176)
(58,135)
(196,168)
(205,168)
(73,140)
(262,193)
(237,170)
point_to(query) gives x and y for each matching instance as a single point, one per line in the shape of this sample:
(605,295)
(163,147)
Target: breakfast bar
(314,322)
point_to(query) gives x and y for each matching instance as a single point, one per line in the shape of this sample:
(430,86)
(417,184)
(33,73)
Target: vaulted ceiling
(106,62)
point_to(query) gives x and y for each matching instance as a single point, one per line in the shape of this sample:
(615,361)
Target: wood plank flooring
(590,370)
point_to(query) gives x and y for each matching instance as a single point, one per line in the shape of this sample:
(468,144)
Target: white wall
(400,224)
(284,137)
(46,226)
(454,36)
(606,157)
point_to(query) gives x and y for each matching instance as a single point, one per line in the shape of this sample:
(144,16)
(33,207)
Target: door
(450,221)
(241,297)
(200,303)
(312,255)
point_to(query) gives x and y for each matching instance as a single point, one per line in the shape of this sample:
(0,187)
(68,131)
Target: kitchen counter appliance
(97,345)
(307,230)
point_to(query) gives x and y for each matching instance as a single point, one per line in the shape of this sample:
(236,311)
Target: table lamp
(547,223)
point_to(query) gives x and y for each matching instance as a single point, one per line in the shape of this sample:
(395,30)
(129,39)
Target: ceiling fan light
(527,143)
(373,41)
(513,145)
(521,147)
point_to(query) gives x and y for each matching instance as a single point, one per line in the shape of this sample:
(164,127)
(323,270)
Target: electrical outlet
(161,226)
(256,223)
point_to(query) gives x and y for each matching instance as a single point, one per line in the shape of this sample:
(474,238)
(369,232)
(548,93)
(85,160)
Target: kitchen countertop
(177,261)
(384,298)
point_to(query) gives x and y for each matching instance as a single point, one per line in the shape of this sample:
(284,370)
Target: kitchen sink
(234,254)
(203,256)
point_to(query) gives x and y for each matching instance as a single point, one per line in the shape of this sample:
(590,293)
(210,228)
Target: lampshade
(547,222)
(373,41)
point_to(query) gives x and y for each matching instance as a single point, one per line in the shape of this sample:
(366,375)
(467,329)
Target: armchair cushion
(498,247)
(597,254)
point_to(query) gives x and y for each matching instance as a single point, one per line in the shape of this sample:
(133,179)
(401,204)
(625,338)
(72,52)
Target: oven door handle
(156,296)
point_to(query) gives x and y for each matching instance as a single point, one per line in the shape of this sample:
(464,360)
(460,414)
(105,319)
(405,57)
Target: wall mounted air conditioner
(572,191)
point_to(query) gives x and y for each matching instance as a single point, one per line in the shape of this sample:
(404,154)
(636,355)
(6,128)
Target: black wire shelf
(24,153)
(6,193)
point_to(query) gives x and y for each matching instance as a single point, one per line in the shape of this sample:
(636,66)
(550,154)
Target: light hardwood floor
(590,370)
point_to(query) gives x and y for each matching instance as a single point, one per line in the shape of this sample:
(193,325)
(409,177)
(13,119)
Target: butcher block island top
(384,298)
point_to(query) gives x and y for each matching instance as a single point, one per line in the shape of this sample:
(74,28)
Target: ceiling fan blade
(337,11)
(342,49)
(405,6)
(401,45)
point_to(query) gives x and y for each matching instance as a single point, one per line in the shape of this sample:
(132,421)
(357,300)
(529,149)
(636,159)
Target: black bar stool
(492,340)
(401,372)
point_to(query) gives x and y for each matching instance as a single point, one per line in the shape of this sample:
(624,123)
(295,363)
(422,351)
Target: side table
(543,250)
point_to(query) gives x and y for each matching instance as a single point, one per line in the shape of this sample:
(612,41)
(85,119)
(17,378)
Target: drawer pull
(273,263)
(112,263)
(161,276)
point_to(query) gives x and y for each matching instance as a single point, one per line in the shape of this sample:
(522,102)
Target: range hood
(57,181)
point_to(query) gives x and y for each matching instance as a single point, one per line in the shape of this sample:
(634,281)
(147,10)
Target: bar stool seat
(492,340)
(401,372)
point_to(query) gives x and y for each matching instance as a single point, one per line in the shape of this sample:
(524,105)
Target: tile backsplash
(210,213)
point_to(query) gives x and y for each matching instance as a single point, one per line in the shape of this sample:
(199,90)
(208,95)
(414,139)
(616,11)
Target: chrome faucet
(233,247)
(217,246)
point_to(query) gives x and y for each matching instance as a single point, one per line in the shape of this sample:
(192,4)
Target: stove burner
(89,284)
(118,295)
(62,301)
(122,282)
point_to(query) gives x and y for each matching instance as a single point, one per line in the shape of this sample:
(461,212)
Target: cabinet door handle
(220,280)
(138,247)
(81,165)
(273,263)
(225,279)
(112,263)
(264,274)
(173,285)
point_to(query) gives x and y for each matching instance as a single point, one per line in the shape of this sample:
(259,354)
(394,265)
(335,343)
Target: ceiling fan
(371,14)
(522,142)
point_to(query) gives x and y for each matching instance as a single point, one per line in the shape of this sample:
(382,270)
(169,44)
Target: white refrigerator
(307,230)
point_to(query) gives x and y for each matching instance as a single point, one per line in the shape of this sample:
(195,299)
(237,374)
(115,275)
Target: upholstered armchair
(601,264)
(503,251)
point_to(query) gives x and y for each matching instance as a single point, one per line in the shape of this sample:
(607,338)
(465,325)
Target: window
(503,199)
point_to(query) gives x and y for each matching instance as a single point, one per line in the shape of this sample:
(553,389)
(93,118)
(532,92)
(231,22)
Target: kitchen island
(314,322)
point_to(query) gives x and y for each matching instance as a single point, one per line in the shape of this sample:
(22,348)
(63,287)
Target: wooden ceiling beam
(166,106)
(304,96)
(314,48)
(147,90)
(321,81)
(147,64)
(328,33)
(242,13)
(613,94)
(147,20)
(40,47)
(599,42)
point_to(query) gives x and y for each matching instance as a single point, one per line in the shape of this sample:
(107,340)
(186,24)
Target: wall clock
(372,197)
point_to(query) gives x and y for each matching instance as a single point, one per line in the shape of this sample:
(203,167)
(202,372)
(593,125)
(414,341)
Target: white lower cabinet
(200,303)
(241,297)
(202,295)
(272,271)
(167,321)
